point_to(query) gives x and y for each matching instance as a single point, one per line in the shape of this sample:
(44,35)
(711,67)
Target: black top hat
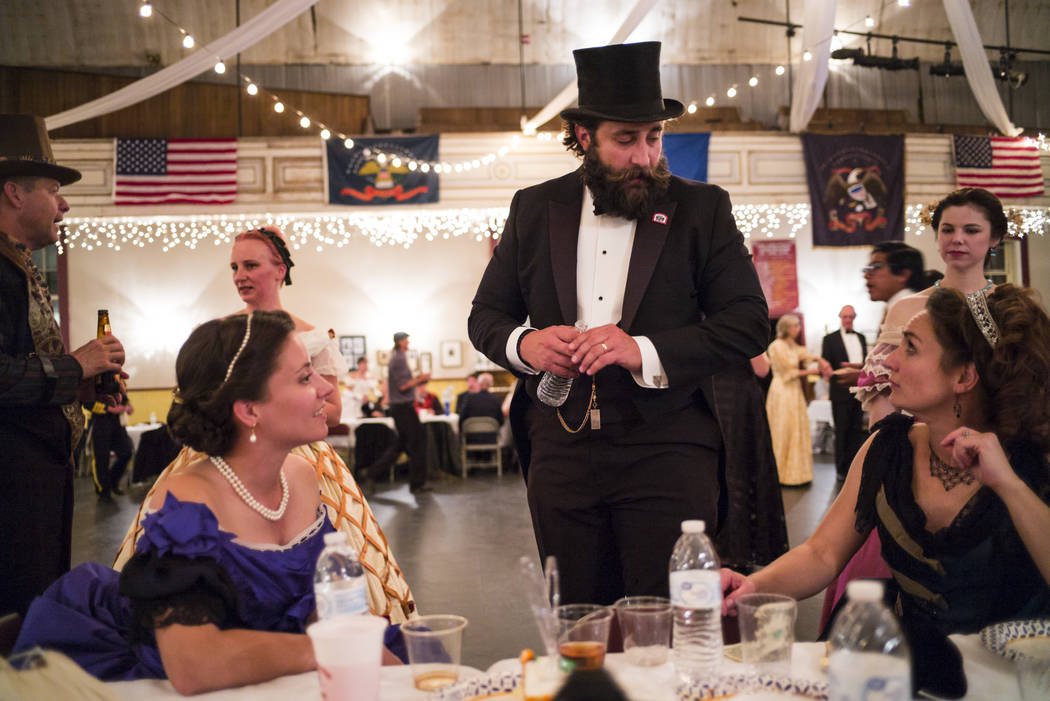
(26,150)
(621,83)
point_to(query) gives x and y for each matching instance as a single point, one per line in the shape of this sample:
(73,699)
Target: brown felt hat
(621,83)
(26,150)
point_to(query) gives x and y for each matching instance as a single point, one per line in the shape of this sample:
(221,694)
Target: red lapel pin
(660,218)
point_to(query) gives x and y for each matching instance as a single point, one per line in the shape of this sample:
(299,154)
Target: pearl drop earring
(252,437)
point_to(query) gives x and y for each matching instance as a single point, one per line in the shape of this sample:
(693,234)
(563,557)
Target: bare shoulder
(194,483)
(301,475)
(301,324)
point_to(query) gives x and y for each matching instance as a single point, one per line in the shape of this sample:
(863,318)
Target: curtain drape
(818,26)
(975,62)
(259,27)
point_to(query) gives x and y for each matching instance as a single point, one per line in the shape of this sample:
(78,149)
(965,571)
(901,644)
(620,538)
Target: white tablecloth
(136,431)
(347,442)
(988,675)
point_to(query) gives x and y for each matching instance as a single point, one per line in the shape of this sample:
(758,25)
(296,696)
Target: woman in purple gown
(220,589)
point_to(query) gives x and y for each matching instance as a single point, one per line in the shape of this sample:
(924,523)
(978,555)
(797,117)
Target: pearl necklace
(246,496)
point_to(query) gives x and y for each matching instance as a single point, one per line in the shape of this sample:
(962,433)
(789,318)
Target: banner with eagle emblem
(856,188)
(381,171)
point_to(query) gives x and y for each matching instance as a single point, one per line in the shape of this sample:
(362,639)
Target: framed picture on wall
(352,348)
(383,357)
(412,358)
(425,362)
(451,354)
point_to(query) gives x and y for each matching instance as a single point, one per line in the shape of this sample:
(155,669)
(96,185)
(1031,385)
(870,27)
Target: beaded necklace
(985,289)
(242,491)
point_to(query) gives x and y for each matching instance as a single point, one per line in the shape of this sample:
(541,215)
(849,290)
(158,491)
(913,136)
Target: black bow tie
(849,331)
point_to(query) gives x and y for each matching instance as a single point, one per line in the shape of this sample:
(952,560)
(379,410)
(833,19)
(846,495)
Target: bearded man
(656,268)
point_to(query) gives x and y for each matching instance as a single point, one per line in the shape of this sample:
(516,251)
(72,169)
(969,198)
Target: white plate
(1014,639)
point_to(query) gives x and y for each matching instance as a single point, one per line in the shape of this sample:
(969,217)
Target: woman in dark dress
(220,588)
(960,494)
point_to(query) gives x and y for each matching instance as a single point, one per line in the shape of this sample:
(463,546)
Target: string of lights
(323,231)
(252,88)
(325,131)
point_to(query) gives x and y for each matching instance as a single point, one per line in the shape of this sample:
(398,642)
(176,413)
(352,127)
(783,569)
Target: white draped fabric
(259,27)
(818,26)
(975,62)
(567,95)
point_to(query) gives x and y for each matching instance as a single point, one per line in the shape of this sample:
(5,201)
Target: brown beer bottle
(106,382)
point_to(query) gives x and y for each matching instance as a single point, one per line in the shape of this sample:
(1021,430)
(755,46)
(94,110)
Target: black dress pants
(413,441)
(850,432)
(610,508)
(109,435)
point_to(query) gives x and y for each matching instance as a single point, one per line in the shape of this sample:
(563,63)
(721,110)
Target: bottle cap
(693,526)
(864,590)
(336,538)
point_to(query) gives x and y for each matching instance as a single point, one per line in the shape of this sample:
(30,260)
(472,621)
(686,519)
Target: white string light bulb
(348,142)
(869,21)
(304,121)
(710,101)
(252,89)
(731,92)
(278,107)
(807,56)
(220,67)
(691,109)
(145,10)
(780,70)
(325,134)
(188,42)
(753,81)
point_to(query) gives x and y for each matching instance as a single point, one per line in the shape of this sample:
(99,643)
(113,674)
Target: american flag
(1008,167)
(168,171)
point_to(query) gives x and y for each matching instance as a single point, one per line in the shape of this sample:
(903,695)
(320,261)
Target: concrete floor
(459,548)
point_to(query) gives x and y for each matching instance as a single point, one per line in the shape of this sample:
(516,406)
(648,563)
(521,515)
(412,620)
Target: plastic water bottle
(339,580)
(869,656)
(696,593)
(554,389)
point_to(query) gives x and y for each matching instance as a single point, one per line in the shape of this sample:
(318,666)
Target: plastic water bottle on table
(696,594)
(339,580)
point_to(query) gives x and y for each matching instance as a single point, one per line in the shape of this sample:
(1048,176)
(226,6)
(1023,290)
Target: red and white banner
(775,263)
(170,171)
(1005,166)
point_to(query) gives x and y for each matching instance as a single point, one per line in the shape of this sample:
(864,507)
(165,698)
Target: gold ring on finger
(605,348)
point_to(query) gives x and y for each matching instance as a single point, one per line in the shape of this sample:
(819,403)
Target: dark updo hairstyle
(201,415)
(980,199)
(1015,375)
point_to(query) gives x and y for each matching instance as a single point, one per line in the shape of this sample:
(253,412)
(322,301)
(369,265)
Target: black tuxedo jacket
(691,288)
(833,350)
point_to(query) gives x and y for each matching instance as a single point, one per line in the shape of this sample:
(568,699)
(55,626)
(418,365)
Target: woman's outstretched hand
(734,585)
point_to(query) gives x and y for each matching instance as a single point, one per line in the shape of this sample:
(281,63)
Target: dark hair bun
(202,418)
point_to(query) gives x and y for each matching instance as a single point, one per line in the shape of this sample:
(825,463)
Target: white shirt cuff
(512,351)
(652,374)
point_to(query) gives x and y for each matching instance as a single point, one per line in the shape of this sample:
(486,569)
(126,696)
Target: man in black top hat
(41,419)
(656,268)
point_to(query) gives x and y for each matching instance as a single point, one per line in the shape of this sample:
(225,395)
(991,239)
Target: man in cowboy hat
(656,268)
(40,418)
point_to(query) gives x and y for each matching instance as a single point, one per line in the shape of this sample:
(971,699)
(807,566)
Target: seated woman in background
(220,588)
(960,494)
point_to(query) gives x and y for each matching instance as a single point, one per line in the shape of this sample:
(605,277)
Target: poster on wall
(856,188)
(775,263)
(383,171)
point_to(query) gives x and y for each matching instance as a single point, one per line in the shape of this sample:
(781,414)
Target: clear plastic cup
(435,645)
(645,624)
(767,631)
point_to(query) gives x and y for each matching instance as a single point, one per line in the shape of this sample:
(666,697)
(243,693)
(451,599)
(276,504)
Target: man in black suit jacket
(846,411)
(656,267)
